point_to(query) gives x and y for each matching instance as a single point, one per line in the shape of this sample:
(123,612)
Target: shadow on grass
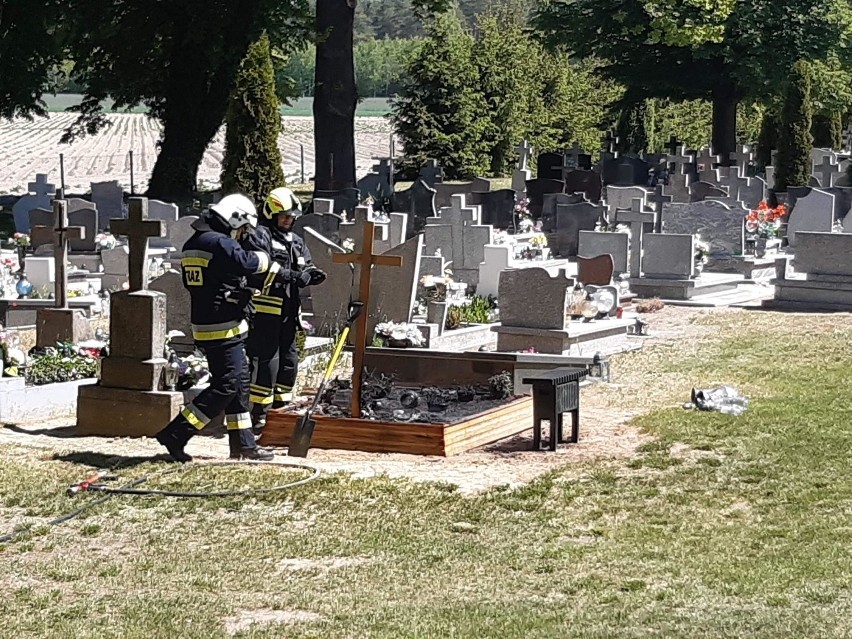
(70,432)
(113,462)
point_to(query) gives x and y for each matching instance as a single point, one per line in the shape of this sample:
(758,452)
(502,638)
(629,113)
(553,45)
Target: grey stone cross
(827,172)
(637,217)
(138,228)
(524,150)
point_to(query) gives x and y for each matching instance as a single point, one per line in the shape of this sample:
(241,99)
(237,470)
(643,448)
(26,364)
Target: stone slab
(22,403)
(61,325)
(128,373)
(115,412)
(824,253)
(137,324)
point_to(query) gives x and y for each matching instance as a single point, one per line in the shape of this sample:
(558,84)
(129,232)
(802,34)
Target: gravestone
(699,191)
(595,271)
(178,306)
(322,219)
(549,166)
(394,290)
(179,232)
(828,172)
(86,219)
(522,172)
(431,173)
(621,197)
(814,212)
(116,262)
(108,198)
(717,224)
(377,184)
(742,159)
(41,223)
(537,189)
(497,207)
(551,201)
(626,170)
(61,324)
(77,203)
(592,244)
(354,230)
(752,191)
(430,265)
(668,256)
(461,239)
(586,182)
(523,289)
(345,200)
(575,158)
(445,191)
(128,390)
(707,166)
(39,196)
(330,304)
(637,217)
(570,220)
(419,202)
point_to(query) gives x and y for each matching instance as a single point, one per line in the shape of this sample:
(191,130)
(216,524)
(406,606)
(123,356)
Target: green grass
(719,527)
(301,107)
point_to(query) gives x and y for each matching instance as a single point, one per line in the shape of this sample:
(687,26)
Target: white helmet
(235,211)
(282,201)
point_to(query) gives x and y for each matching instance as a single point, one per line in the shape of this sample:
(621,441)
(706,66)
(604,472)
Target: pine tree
(252,162)
(505,56)
(439,113)
(793,165)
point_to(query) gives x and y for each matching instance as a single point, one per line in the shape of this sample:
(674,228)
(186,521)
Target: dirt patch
(249,618)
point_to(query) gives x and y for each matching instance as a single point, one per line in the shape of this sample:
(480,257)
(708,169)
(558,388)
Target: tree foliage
(31,50)
(439,114)
(696,49)
(793,163)
(252,162)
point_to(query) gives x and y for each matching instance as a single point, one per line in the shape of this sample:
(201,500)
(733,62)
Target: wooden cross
(637,217)
(138,228)
(365,259)
(61,234)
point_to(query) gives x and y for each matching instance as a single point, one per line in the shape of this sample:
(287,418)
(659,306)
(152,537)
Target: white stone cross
(709,162)
(637,217)
(680,160)
(453,224)
(138,228)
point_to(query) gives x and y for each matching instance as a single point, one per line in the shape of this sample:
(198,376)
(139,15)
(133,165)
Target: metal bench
(556,392)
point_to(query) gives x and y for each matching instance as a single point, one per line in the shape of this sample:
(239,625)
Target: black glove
(317,276)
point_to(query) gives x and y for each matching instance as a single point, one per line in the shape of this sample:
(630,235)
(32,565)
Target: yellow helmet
(281,200)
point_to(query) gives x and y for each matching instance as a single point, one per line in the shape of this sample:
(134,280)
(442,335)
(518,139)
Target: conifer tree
(252,162)
(439,113)
(793,162)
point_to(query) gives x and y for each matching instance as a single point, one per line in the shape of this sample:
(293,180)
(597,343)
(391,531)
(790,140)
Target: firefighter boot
(243,446)
(174,437)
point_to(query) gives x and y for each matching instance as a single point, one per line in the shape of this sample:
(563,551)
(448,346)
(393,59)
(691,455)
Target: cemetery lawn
(718,527)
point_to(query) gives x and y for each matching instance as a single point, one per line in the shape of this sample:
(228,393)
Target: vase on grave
(398,343)
(22,257)
(24,287)
(764,246)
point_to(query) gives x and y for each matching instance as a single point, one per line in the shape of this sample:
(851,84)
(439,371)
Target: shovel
(304,431)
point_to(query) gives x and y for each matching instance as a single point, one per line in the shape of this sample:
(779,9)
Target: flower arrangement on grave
(62,363)
(501,237)
(437,285)
(702,251)
(348,245)
(525,225)
(399,334)
(20,240)
(105,241)
(522,208)
(764,222)
(539,240)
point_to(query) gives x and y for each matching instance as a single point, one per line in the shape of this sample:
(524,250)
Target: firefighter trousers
(274,359)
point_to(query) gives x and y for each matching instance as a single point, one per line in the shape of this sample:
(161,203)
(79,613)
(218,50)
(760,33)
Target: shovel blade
(301,441)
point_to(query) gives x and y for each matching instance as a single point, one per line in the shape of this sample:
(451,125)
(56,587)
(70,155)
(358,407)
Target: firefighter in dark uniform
(215,267)
(272,347)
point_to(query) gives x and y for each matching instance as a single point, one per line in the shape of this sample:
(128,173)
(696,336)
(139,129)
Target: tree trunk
(725,101)
(335,95)
(196,101)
